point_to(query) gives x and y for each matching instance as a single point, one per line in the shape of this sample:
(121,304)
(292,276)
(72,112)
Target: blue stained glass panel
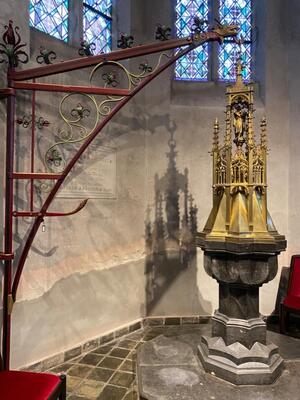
(104,6)
(50,16)
(193,66)
(96,27)
(236,12)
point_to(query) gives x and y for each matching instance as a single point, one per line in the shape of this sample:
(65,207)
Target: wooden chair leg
(63,394)
(283,318)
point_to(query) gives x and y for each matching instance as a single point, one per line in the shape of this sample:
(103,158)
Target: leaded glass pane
(193,66)
(228,54)
(50,16)
(97,24)
(104,6)
(235,12)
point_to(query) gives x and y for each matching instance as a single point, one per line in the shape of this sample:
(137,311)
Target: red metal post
(8,228)
(32,146)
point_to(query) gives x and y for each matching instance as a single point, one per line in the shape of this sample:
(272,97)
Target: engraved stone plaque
(95,177)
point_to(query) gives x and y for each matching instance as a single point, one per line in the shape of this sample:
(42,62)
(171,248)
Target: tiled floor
(105,373)
(108,372)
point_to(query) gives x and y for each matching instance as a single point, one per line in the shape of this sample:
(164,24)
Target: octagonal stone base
(232,330)
(259,365)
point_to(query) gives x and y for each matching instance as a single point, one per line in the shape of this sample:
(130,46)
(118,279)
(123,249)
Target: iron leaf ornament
(10,49)
(26,121)
(110,78)
(199,25)
(145,67)
(125,41)
(80,111)
(162,32)
(86,48)
(45,56)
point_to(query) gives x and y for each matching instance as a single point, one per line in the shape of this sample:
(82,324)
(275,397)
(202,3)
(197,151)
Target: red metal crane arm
(117,55)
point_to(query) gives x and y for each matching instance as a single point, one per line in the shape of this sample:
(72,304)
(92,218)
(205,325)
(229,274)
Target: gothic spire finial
(216,135)
(239,68)
(263,136)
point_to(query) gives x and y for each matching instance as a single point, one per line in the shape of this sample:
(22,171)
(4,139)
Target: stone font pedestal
(237,350)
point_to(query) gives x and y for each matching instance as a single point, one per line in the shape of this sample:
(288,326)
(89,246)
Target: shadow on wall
(170,239)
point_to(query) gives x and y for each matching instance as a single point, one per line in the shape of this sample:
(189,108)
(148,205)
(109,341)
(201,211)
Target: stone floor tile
(100,374)
(91,359)
(62,368)
(74,397)
(120,353)
(132,356)
(136,335)
(110,362)
(123,379)
(132,395)
(72,383)
(103,349)
(79,370)
(128,344)
(76,359)
(128,366)
(89,388)
(112,393)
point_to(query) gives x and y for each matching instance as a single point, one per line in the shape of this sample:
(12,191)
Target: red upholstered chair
(291,303)
(21,385)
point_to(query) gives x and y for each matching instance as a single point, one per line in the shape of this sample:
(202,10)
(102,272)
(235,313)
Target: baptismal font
(240,245)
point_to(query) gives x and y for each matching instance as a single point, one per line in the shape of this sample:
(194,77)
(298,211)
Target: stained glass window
(97,20)
(235,12)
(50,16)
(193,66)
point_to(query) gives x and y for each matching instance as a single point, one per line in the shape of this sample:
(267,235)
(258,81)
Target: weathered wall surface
(86,275)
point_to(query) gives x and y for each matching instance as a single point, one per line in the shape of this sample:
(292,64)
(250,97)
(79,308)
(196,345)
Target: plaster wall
(86,274)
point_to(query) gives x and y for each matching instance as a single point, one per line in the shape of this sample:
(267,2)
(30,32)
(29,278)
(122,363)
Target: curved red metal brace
(50,214)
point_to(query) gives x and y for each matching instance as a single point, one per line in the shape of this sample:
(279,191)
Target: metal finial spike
(263,127)
(239,68)
(216,135)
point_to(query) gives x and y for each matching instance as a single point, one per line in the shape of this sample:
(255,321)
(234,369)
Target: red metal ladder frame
(17,80)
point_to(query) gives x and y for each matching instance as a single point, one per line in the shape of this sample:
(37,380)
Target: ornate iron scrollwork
(11,48)
(75,131)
